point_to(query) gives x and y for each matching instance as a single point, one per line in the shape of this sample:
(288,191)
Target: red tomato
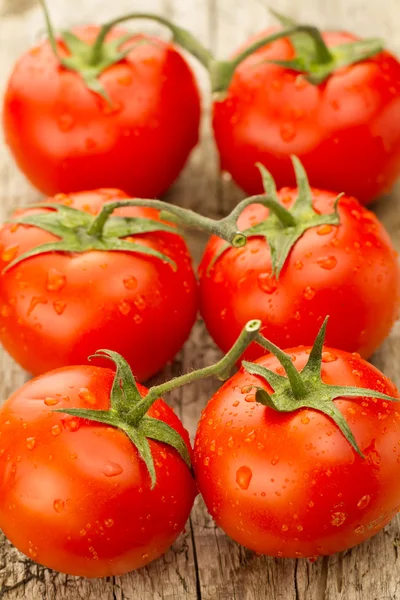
(290,484)
(58,308)
(75,496)
(66,138)
(346,131)
(349,272)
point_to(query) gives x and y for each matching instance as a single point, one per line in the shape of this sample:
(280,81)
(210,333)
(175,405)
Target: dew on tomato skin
(275,460)
(59,306)
(130,282)
(206,461)
(55,430)
(328,262)
(243,477)
(284,527)
(51,401)
(111,109)
(230,442)
(71,425)
(338,518)
(112,469)
(363,502)
(250,398)
(35,301)
(59,505)
(357,373)
(30,443)
(55,280)
(140,302)
(87,396)
(309,293)
(250,437)
(65,122)
(287,131)
(124,308)
(305,420)
(298,265)
(328,357)
(9,253)
(324,229)
(6,310)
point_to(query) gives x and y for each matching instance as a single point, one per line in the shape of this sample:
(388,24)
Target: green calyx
(284,227)
(81,232)
(315,59)
(305,389)
(128,408)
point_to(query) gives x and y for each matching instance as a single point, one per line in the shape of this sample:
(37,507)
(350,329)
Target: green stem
(296,382)
(182,37)
(50,30)
(225,228)
(220,369)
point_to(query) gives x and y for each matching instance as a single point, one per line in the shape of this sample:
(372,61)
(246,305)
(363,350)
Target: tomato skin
(66,138)
(345,131)
(349,272)
(58,308)
(289,484)
(75,496)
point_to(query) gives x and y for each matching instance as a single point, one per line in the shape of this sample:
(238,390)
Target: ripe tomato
(57,308)
(66,138)
(75,494)
(289,483)
(348,271)
(346,130)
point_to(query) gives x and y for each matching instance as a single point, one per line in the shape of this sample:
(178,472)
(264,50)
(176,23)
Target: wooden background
(204,563)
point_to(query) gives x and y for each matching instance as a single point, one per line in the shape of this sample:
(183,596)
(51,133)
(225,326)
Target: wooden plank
(204,563)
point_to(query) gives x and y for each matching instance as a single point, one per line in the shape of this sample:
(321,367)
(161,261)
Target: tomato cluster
(297,454)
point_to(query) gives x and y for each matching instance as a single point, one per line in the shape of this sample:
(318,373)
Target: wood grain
(204,563)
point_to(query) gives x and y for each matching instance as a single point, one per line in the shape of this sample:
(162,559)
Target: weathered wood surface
(204,563)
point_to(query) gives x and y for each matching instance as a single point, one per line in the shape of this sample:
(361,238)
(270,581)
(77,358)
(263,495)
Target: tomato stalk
(312,56)
(306,388)
(128,409)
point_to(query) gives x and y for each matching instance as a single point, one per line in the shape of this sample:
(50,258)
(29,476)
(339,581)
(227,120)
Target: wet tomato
(280,477)
(76,495)
(120,288)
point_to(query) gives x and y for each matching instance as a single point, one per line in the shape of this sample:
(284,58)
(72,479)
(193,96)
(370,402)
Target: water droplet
(231,442)
(35,301)
(30,443)
(305,420)
(267,283)
(363,503)
(140,302)
(109,523)
(324,229)
(328,262)
(130,282)
(250,437)
(55,430)
(9,253)
(298,265)
(72,424)
(65,122)
(5,310)
(284,527)
(125,79)
(111,109)
(111,469)
(59,306)
(59,505)
(275,460)
(55,280)
(243,477)
(250,398)
(328,357)
(87,396)
(206,461)
(124,307)
(357,373)
(288,132)
(338,518)
(145,556)
(51,401)
(309,293)
(73,456)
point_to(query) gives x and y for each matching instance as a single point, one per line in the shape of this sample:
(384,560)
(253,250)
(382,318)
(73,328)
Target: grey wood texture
(204,563)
